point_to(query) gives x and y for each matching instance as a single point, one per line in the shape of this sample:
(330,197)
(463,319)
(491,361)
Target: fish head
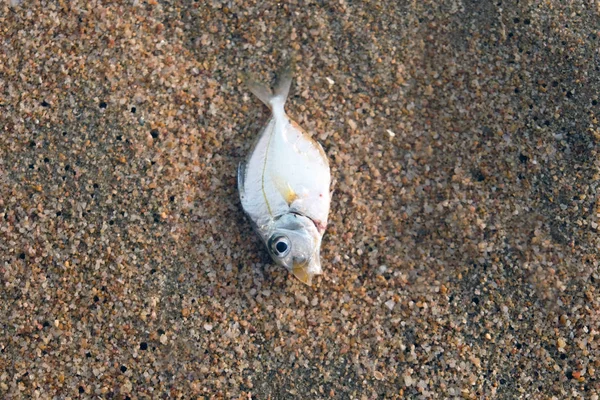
(295,243)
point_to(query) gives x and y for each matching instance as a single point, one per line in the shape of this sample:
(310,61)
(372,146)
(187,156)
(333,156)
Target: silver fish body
(285,187)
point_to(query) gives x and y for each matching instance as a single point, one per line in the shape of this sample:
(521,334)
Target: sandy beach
(461,257)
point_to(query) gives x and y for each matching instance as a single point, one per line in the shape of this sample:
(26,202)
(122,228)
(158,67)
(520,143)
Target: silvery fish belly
(284,187)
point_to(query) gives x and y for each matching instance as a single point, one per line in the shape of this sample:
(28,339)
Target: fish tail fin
(284,81)
(260,90)
(274,99)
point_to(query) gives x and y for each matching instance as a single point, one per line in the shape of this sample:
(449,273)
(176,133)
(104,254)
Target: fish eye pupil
(281,247)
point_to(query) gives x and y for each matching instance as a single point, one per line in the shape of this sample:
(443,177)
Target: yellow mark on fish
(285,189)
(289,195)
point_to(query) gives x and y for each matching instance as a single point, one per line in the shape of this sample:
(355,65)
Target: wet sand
(461,259)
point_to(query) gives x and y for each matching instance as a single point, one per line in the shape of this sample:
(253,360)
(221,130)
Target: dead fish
(284,186)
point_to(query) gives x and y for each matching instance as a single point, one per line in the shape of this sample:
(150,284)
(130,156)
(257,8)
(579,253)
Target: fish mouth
(300,272)
(304,270)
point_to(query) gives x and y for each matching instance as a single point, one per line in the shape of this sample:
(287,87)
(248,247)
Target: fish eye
(280,246)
